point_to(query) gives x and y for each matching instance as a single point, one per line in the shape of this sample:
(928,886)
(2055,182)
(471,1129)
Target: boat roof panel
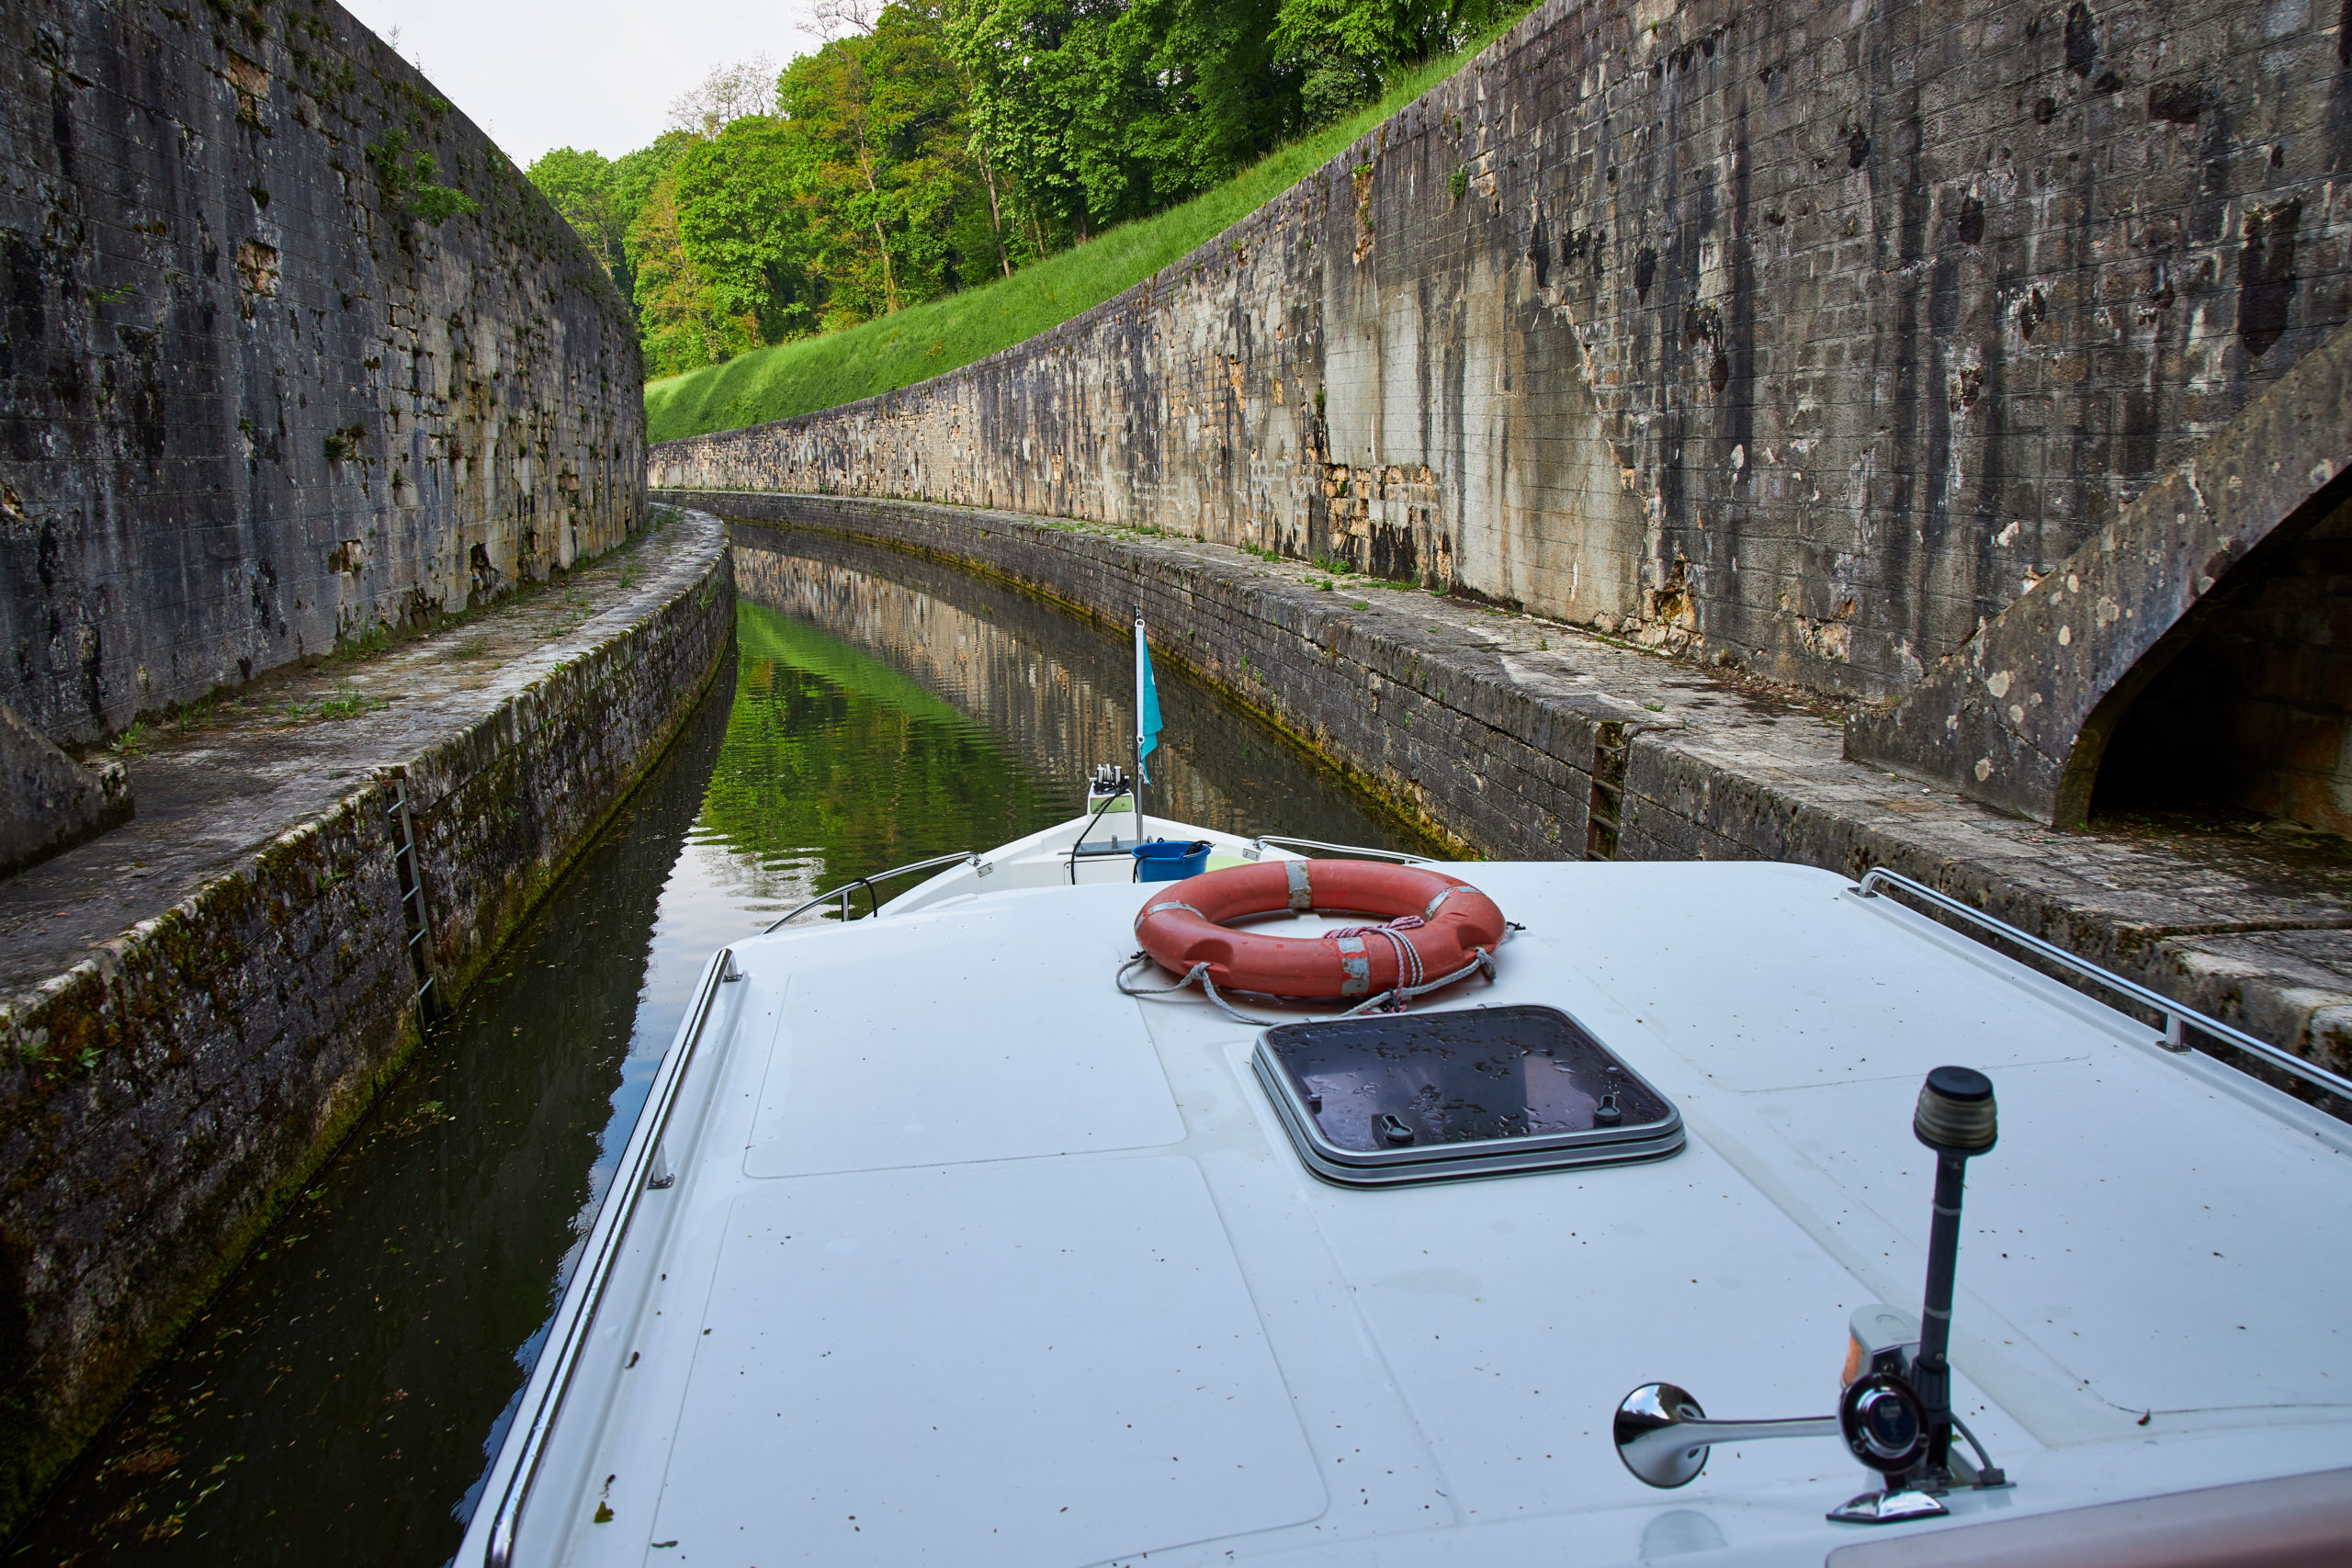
(2124,1177)
(1019,1365)
(2156,1211)
(988,1033)
(1754,974)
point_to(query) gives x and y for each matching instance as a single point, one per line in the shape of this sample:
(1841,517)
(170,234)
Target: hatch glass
(1437,1095)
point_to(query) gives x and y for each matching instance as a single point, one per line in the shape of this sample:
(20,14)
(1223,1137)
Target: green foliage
(859,195)
(580,188)
(405,180)
(1379,36)
(897,208)
(602,199)
(926,340)
(1054,150)
(741,231)
(1098,113)
(343,702)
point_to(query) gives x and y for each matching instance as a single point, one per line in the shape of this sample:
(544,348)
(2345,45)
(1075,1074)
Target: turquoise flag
(1146,705)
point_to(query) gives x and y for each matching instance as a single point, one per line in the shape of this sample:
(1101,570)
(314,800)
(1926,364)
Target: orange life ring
(1441,925)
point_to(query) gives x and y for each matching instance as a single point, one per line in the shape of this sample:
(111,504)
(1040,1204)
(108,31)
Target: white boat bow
(934,1248)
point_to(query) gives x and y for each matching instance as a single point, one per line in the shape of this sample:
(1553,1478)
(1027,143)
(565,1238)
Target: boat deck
(972,1260)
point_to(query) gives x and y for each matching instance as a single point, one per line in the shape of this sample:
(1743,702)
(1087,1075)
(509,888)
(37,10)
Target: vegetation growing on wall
(936,145)
(407,181)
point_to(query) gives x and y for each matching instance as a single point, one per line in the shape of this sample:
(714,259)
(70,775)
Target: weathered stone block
(48,802)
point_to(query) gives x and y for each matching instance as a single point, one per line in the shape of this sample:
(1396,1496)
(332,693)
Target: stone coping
(212,795)
(2254,928)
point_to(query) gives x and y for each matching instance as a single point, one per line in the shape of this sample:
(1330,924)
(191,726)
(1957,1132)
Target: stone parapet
(48,802)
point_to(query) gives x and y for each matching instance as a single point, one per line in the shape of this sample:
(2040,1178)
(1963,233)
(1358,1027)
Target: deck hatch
(1403,1098)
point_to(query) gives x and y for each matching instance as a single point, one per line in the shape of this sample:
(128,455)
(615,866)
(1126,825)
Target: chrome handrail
(1401,856)
(872,902)
(604,1243)
(2178,1019)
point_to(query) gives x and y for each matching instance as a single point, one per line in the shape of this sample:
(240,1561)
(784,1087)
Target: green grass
(923,341)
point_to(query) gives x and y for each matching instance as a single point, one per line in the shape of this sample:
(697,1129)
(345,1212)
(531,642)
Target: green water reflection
(889,709)
(838,765)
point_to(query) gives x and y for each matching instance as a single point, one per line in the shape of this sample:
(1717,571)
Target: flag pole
(1139,667)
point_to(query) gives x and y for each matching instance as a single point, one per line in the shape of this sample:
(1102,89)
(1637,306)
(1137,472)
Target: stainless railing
(604,1247)
(873,900)
(2177,1019)
(1357,851)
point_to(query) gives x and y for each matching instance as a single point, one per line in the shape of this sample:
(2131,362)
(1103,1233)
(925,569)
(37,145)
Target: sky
(586,73)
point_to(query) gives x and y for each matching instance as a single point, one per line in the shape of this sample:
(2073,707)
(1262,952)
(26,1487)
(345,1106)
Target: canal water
(339,1400)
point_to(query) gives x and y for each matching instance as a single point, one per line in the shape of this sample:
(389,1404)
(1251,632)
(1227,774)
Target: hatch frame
(1463,1159)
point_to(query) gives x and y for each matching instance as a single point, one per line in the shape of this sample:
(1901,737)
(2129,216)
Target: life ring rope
(1395,999)
(1410,970)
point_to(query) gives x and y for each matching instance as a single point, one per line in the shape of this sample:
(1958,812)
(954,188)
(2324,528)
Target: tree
(1103,110)
(1043,81)
(727,94)
(895,195)
(580,187)
(927,146)
(680,320)
(635,174)
(742,226)
(1370,38)
(1222,98)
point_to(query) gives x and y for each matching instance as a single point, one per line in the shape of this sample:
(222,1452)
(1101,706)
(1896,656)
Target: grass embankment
(923,341)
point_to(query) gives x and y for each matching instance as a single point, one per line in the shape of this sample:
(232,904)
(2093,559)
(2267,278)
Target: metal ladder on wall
(1606,803)
(411,877)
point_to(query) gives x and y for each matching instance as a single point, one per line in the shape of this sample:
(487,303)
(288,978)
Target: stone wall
(1809,335)
(49,802)
(254,402)
(2020,716)
(161,1098)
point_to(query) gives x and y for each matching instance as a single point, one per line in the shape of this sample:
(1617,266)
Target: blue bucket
(1161,861)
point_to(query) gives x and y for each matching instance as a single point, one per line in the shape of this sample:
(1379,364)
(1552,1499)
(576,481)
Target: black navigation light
(1895,1414)
(1956,1113)
(1956,1118)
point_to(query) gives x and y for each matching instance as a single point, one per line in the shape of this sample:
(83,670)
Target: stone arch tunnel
(2185,655)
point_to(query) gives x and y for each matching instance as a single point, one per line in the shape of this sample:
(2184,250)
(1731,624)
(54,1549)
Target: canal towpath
(216,786)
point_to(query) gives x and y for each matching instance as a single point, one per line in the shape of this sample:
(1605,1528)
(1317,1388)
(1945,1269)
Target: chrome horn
(1663,1436)
(1897,1415)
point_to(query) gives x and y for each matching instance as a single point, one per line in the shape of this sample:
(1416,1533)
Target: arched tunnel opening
(2242,713)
